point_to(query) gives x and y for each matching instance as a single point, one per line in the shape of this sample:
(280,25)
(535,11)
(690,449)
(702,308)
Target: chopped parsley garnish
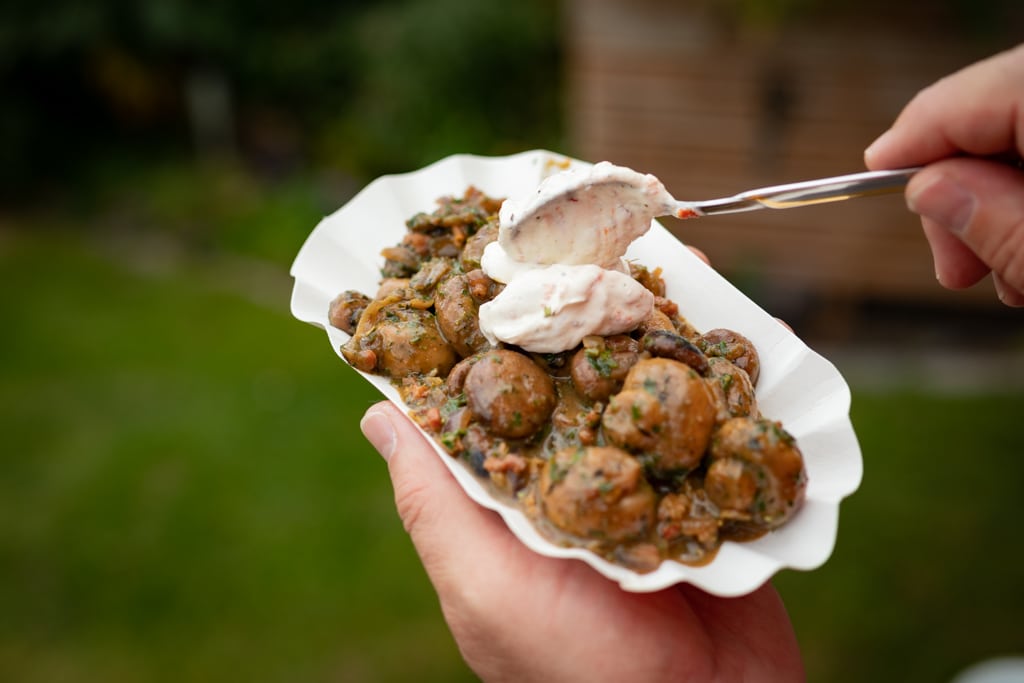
(602,361)
(451,439)
(781,434)
(453,404)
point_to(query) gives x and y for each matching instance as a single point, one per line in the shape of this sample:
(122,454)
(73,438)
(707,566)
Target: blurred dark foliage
(365,87)
(990,21)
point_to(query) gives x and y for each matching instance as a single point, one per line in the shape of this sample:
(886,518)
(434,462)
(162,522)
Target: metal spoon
(592,215)
(803,193)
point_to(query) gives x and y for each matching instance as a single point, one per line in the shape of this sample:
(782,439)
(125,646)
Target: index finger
(978,110)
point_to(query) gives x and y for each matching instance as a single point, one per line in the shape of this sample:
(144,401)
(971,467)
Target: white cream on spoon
(560,251)
(582,216)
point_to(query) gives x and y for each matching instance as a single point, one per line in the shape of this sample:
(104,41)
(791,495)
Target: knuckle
(1007,255)
(412,500)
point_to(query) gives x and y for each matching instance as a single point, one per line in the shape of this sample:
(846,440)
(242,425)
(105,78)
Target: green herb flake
(451,439)
(781,434)
(602,361)
(453,404)
(726,382)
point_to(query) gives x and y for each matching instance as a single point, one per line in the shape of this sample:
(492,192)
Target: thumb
(449,530)
(973,214)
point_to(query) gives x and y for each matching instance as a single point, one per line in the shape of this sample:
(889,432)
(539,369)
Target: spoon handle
(802,193)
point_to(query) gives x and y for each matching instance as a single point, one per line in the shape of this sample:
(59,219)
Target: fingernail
(946,202)
(880,142)
(379,431)
(1008,295)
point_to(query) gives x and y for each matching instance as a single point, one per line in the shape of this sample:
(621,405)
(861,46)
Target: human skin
(968,131)
(519,616)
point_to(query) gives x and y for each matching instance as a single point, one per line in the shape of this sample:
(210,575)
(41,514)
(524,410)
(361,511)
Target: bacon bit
(593,416)
(418,241)
(658,281)
(431,420)
(683,213)
(666,306)
(459,236)
(507,463)
(413,389)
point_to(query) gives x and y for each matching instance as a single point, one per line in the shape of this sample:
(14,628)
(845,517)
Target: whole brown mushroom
(397,339)
(732,388)
(509,393)
(734,347)
(664,414)
(597,492)
(756,474)
(598,369)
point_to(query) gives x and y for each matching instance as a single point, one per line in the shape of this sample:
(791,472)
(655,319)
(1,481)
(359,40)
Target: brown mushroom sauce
(640,447)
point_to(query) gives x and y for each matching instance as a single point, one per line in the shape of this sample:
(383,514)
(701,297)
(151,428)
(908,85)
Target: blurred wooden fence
(713,107)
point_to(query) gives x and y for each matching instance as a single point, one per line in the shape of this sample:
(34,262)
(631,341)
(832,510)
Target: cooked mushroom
(734,347)
(732,388)
(656,321)
(664,414)
(346,309)
(395,338)
(755,473)
(597,492)
(509,393)
(430,275)
(458,316)
(599,368)
(665,344)
(476,244)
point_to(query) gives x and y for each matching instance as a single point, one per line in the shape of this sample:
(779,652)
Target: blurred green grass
(925,577)
(185,495)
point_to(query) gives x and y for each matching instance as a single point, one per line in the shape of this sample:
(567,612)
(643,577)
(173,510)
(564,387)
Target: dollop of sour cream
(551,309)
(578,216)
(560,254)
